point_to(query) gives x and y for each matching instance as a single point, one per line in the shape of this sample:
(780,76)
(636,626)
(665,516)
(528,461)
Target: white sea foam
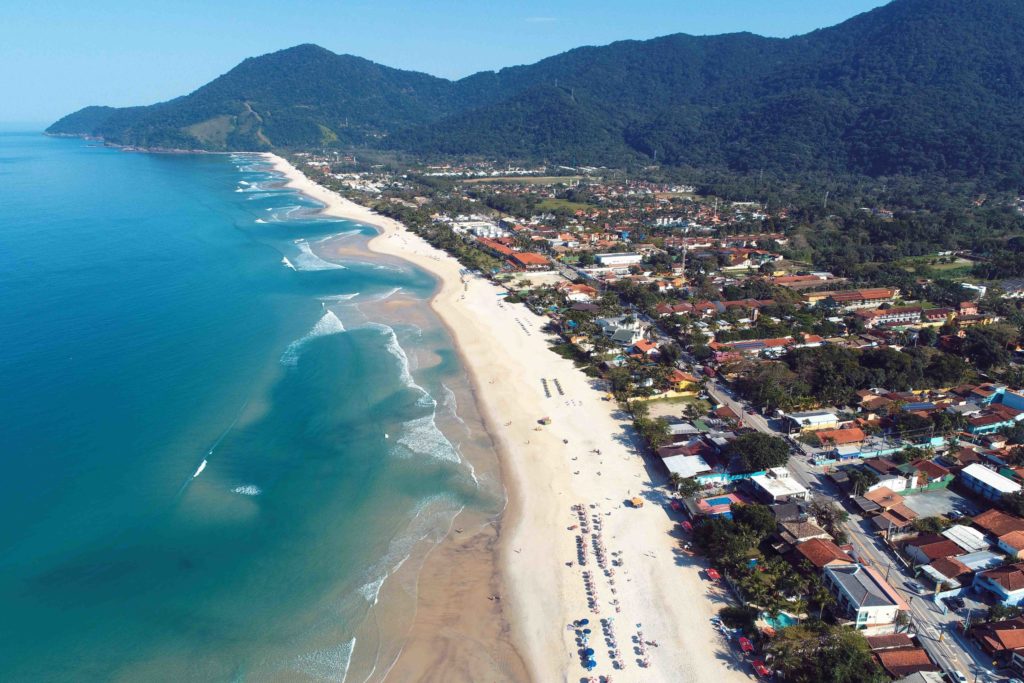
(286,263)
(247,490)
(371,590)
(327,325)
(307,260)
(339,235)
(338,298)
(260,220)
(202,466)
(330,664)
(389,294)
(421,436)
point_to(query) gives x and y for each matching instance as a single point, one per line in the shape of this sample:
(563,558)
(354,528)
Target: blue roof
(919,406)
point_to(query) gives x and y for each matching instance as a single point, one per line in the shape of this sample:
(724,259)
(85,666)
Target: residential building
(777,486)
(863,595)
(1006,583)
(898,315)
(986,482)
(812,421)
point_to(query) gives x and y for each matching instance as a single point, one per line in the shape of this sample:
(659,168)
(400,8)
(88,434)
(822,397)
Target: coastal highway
(936,631)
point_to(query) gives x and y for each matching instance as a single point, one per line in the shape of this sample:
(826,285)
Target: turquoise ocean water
(211,453)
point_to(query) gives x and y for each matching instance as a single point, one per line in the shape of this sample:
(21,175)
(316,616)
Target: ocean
(217,442)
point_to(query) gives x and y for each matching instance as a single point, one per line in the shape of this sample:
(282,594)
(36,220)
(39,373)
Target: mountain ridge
(915,86)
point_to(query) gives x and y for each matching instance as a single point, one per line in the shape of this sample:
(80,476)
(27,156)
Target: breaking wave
(307,260)
(328,324)
(329,664)
(247,490)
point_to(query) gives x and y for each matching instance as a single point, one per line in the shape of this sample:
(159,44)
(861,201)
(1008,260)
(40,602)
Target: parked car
(713,574)
(955,603)
(913,587)
(761,670)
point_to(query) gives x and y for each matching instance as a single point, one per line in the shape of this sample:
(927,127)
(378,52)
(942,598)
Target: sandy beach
(567,484)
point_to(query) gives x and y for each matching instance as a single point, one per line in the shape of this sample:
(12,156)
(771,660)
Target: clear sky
(59,55)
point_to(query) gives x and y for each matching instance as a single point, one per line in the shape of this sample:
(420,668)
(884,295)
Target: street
(936,631)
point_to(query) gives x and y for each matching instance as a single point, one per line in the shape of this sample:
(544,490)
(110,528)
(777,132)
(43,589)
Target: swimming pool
(782,620)
(721,500)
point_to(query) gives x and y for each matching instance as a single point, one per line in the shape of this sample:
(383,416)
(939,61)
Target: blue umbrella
(589,652)
(584,622)
(590,665)
(587,631)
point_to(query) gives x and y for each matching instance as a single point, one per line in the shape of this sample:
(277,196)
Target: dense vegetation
(831,375)
(916,87)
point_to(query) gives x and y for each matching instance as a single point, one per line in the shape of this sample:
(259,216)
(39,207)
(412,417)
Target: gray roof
(860,586)
(983,559)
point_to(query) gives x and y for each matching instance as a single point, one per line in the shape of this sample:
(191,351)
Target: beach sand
(460,633)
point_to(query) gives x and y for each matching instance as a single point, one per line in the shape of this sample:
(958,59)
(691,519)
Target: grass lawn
(674,407)
(562,204)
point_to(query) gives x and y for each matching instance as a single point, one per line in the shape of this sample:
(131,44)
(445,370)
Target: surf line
(213,447)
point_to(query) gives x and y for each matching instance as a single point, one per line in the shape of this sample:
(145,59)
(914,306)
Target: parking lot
(941,502)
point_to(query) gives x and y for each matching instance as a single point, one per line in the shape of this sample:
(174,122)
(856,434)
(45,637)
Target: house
(947,570)
(686,466)
(777,486)
(970,540)
(1006,583)
(645,347)
(986,482)
(864,596)
(624,330)
(923,677)
(898,315)
(527,260)
(1012,544)
(905,661)
(812,421)
(580,293)
(997,523)
(927,475)
(896,520)
(795,533)
(852,299)
(930,547)
(820,553)
(884,497)
(840,437)
(1000,639)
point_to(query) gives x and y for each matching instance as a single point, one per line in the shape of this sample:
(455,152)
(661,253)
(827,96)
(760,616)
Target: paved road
(935,630)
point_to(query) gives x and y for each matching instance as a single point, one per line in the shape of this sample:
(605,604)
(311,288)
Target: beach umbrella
(589,652)
(587,631)
(590,665)
(584,622)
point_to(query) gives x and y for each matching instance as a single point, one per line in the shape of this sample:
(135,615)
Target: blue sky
(57,55)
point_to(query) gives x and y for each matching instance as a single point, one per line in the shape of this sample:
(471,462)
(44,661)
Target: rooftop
(990,478)
(864,587)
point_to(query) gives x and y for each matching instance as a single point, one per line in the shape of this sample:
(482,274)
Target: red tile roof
(900,663)
(998,523)
(822,553)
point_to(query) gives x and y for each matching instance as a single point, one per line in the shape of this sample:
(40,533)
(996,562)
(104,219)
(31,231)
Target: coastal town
(838,459)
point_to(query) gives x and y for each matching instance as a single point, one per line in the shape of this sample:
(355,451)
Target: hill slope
(915,86)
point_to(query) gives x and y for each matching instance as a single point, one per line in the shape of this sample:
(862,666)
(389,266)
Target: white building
(618,260)
(777,486)
(986,482)
(865,597)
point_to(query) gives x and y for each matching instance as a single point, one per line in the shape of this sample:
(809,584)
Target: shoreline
(546,471)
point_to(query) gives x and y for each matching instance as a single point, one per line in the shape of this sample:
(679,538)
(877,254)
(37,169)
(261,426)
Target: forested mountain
(916,86)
